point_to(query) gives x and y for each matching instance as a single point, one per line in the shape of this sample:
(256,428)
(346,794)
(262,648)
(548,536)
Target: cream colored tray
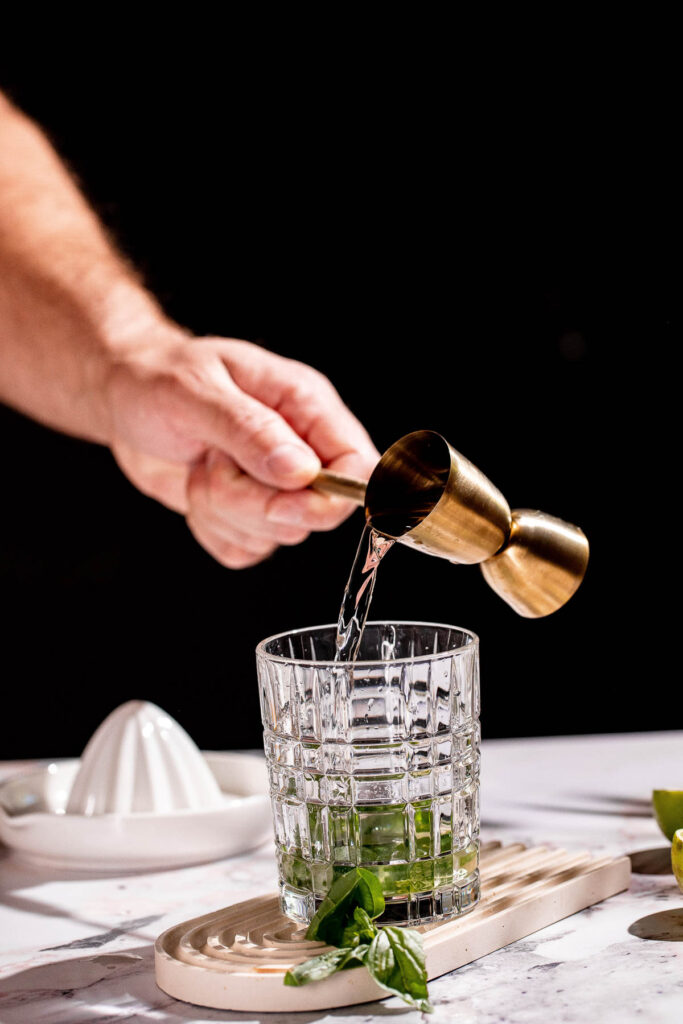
(236,958)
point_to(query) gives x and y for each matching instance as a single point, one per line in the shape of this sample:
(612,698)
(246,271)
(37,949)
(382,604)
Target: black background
(447,270)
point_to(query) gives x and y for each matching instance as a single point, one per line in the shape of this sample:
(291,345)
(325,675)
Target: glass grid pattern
(375,765)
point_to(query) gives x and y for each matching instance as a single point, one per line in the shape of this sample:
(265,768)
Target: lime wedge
(677,856)
(668,808)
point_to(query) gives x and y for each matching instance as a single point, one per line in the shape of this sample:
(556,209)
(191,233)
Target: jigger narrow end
(541,566)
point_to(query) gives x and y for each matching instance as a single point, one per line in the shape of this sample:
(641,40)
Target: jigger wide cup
(424,492)
(375,764)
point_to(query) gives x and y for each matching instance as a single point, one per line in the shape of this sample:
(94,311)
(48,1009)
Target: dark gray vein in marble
(94,941)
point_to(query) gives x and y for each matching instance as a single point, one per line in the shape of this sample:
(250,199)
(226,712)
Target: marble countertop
(77,949)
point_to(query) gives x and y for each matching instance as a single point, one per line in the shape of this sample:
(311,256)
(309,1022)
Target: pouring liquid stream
(358,592)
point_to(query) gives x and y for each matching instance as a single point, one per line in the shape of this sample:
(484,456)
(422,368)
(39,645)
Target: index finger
(312,509)
(307,400)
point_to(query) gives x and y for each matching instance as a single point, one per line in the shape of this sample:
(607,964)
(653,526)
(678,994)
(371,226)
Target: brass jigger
(425,493)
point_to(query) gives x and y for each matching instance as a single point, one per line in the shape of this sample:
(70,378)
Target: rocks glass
(375,763)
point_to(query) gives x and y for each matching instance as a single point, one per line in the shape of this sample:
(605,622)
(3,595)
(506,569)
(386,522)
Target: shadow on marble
(33,869)
(19,876)
(665,926)
(121,986)
(601,812)
(635,803)
(71,989)
(656,861)
(35,873)
(102,932)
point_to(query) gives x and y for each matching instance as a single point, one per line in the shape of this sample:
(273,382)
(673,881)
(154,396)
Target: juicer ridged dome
(141,760)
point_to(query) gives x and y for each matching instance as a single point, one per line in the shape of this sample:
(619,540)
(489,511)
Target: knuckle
(192,370)
(239,558)
(259,546)
(224,551)
(290,535)
(217,492)
(193,375)
(202,495)
(215,487)
(308,383)
(254,418)
(232,556)
(259,425)
(313,375)
(196,508)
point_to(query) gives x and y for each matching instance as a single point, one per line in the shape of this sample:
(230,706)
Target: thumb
(262,443)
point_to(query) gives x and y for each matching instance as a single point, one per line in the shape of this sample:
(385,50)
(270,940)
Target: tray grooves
(236,958)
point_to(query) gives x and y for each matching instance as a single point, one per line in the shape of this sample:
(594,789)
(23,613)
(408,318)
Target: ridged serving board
(236,958)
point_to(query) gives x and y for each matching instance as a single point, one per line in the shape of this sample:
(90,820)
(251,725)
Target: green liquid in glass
(381,834)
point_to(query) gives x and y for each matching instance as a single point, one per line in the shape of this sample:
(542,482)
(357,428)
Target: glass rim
(372,662)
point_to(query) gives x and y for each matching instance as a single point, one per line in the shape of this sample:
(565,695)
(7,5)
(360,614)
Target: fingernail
(291,460)
(286,515)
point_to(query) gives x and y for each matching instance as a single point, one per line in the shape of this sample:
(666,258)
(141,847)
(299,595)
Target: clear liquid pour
(358,593)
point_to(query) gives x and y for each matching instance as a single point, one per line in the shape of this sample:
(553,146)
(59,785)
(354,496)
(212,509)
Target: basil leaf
(319,967)
(332,909)
(370,895)
(396,961)
(316,968)
(350,935)
(367,929)
(394,956)
(357,887)
(362,928)
(355,957)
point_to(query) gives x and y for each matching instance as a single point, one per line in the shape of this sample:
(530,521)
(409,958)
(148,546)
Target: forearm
(68,303)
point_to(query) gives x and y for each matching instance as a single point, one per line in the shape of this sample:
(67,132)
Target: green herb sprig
(394,956)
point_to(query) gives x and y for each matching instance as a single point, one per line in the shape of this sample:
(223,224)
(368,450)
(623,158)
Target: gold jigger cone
(541,565)
(423,492)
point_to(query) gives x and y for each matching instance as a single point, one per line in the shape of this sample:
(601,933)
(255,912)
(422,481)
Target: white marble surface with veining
(76,949)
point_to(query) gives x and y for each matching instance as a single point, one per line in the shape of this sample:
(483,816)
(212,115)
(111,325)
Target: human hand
(230,435)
